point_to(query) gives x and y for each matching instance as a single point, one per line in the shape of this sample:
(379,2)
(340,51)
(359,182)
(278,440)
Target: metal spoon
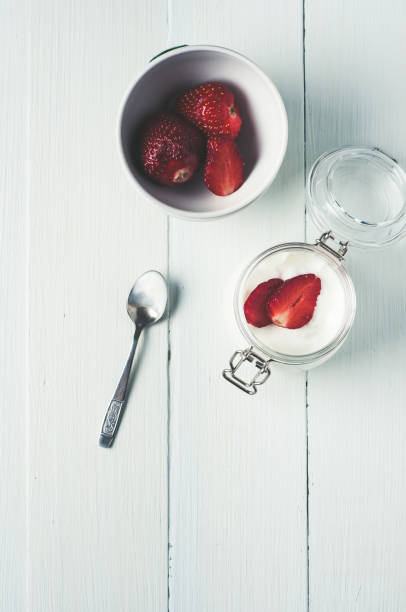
(145,305)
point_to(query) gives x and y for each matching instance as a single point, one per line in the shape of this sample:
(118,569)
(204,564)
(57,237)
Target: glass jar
(356,197)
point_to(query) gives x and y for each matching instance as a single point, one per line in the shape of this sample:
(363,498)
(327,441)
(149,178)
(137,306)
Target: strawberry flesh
(223,170)
(211,107)
(170,149)
(292,304)
(256,304)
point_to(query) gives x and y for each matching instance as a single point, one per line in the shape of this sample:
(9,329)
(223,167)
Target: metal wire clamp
(260,376)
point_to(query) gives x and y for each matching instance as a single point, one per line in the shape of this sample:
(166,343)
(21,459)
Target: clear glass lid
(359,194)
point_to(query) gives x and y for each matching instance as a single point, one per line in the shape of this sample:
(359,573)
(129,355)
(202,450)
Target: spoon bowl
(147,299)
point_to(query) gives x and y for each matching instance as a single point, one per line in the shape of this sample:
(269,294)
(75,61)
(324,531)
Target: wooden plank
(13,301)
(238,464)
(355,56)
(98,528)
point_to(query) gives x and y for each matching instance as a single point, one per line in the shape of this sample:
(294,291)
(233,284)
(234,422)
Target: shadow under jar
(357,198)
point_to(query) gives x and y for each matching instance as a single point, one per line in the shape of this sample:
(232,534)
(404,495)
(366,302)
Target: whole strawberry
(211,108)
(170,149)
(223,171)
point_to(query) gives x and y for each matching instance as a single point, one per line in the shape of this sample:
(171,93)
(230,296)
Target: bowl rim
(189,214)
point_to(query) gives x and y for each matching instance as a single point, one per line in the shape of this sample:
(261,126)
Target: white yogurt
(328,316)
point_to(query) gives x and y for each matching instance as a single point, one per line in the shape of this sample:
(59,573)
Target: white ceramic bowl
(262,140)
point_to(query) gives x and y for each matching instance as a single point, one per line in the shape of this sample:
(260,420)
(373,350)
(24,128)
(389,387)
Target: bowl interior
(262,140)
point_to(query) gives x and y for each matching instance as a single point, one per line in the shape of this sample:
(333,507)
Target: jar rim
(289,359)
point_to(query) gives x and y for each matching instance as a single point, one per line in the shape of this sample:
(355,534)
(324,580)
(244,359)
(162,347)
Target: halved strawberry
(293,303)
(223,171)
(211,107)
(256,304)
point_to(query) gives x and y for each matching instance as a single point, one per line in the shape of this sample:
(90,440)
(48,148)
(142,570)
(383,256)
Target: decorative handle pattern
(115,410)
(111,418)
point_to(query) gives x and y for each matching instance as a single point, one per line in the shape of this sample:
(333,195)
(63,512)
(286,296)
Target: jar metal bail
(343,246)
(261,365)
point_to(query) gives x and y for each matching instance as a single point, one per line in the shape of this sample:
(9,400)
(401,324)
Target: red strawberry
(170,148)
(256,304)
(211,108)
(223,171)
(293,303)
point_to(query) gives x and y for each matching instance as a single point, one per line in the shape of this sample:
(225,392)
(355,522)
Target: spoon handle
(115,410)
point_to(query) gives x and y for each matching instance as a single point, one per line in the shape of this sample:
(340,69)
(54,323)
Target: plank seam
(169,546)
(307,499)
(304,113)
(169,38)
(168,461)
(307,375)
(27,313)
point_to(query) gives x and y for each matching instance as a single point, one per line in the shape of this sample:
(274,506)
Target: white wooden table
(210,500)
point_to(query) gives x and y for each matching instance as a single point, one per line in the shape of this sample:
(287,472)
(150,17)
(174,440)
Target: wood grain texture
(238,464)
(98,518)
(85,528)
(13,301)
(355,56)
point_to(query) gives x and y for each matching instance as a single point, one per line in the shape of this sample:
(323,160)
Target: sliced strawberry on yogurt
(292,304)
(256,304)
